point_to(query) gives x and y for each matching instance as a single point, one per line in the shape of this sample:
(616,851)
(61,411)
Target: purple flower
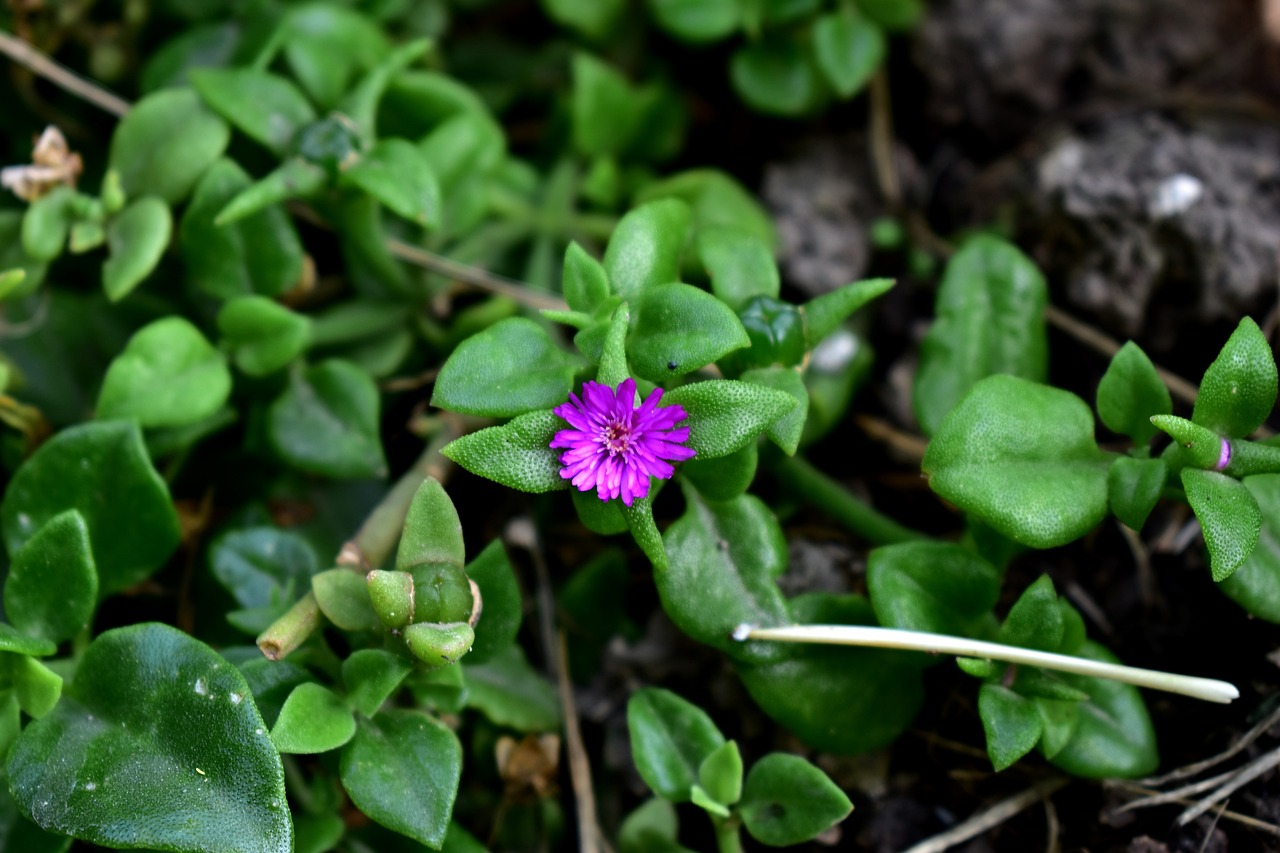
(615,448)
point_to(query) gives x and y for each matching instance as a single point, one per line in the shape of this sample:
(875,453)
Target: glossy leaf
(1255,585)
(167,376)
(391,594)
(432,532)
(1229,518)
(931,586)
(102,470)
(371,676)
(441,593)
(261,566)
(397,174)
(990,309)
(586,284)
(678,329)
(517,454)
(848,49)
(326,422)
(313,719)
(508,369)
(720,774)
(776,331)
(1133,487)
(52,586)
(136,239)
(438,644)
(775,76)
(164,144)
(1130,393)
(46,224)
(159,745)
(402,769)
(670,739)
(263,106)
(1238,390)
(508,691)
(726,415)
(13,640)
(1022,458)
(503,606)
(645,247)
(739,263)
(1012,724)
(36,687)
(787,800)
(260,253)
(1035,620)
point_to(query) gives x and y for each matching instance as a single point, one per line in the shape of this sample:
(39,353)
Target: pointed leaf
(739,263)
(586,284)
(1012,724)
(724,415)
(503,606)
(264,336)
(720,774)
(371,676)
(517,454)
(1255,585)
(52,587)
(825,313)
(313,719)
(1133,487)
(136,239)
(1229,517)
(432,531)
(165,143)
(508,369)
(670,739)
(849,49)
(326,422)
(678,329)
(787,800)
(167,376)
(264,106)
(1131,391)
(1238,390)
(397,174)
(645,247)
(931,586)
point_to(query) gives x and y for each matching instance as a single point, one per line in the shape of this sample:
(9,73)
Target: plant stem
(1250,457)
(835,500)
(370,546)
(1208,689)
(728,838)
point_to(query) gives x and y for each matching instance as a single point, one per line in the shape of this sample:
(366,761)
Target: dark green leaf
(893,15)
(725,415)
(1012,724)
(52,586)
(670,739)
(371,676)
(508,369)
(723,478)
(1255,585)
(326,44)
(295,178)
(265,107)
(16,832)
(1130,393)
(1133,487)
(1035,620)
(432,532)
(313,719)
(604,108)
(931,586)
(397,174)
(503,607)
(697,20)
(1229,517)
(603,517)
(441,593)
(165,143)
(849,49)
(158,745)
(343,597)
(716,199)
(511,693)
(739,263)
(167,376)
(264,335)
(262,566)
(1022,458)
(402,770)
(651,828)
(824,314)
(102,470)
(775,76)
(593,18)
(136,239)
(776,331)
(326,422)
(677,324)
(517,455)
(1238,390)
(645,247)
(787,800)
(439,644)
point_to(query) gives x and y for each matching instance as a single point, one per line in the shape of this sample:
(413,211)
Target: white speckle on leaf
(91,786)
(24,521)
(198,770)
(237,698)
(200,689)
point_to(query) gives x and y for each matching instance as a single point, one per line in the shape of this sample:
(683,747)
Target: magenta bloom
(615,448)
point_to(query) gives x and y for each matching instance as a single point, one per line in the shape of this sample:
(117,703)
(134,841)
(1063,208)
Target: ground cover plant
(482,424)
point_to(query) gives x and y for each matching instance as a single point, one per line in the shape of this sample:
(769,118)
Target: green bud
(113,197)
(438,644)
(333,143)
(441,593)
(392,596)
(1203,446)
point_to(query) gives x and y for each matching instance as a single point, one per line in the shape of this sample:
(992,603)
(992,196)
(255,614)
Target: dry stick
(1244,741)
(590,839)
(1052,827)
(1243,777)
(987,820)
(1177,795)
(881,130)
(904,442)
(32,59)
(1244,819)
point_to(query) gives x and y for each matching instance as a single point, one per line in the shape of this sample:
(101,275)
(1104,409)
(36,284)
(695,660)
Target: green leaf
(1113,737)
(136,239)
(716,199)
(326,422)
(670,739)
(509,369)
(36,687)
(1022,458)
(167,376)
(776,331)
(645,247)
(848,49)
(602,517)
(1201,446)
(787,800)
(16,832)
(164,144)
(371,676)
(586,284)
(441,593)
(432,531)
(723,478)
(52,585)
(313,719)
(517,455)
(678,329)
(46,223)
(739,263)
(260,253)
(326,44)
(1133,487)
(262,566)
(402,770)
(1012,724)
(824,314)
(697,21)
(157,744)
(893,15)
(1130,392)
(100,469)
(1058,720)
(838,699)
(264,336)
(931,586)
(720,774)
(1238,390)
(775,76)
(263,106)
(439,644)
(593,18)
(503,606)
(725,415)
(723,562)
(990,310)
(391,595)
(343,597)
(787,430)
(468,145)
(1035,620)
(603,107)
(12,640)
(510,693)
(397,174)
(651,828)
(294,178)
(1255,585)
(1229,517)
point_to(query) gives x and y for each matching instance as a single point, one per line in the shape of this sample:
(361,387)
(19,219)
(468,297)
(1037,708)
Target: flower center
(617,437)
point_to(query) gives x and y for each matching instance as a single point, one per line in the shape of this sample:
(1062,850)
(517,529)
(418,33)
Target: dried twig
(1240,778)
(1125,786)
(32,59)
(910,445)
(590,838)
(1192,769)
(988,819)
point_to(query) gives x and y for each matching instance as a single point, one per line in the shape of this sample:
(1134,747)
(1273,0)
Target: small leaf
(165,143)
(102,470)
(787,800)
(326,422)
(264,335)
(1035,620)
(391,594)
(371,676)
(651,828)
(46,223)
(1133,487)
(592,18)
(294,178)
(1201,446)
(158,744)
(1229,517)
(1255,585)
(586,284)
(787,430)
(602,517)
(343,596)
(670,739)
(931,586)
(848,49)
(508,369)
(1012,724)
(614,369)
(990,309)
(136,239)
(313,719)
(1130,392)
(645,247)
(432,531)
(716,199)
(775,76)
(739,263)
(1022,458)
(603,107)
(824,314)
(776,331)
(697,21)
(511,693)
(503,606)
(1238,390)
(517,455)
(402,769)
(12,640)
(720,774)
(52,586)
(167,376)
(325,45)
(36,687)
(261,566)
(264,106)
(465,146)
(397,174)
(724,415)
(678,324)
(439,644)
